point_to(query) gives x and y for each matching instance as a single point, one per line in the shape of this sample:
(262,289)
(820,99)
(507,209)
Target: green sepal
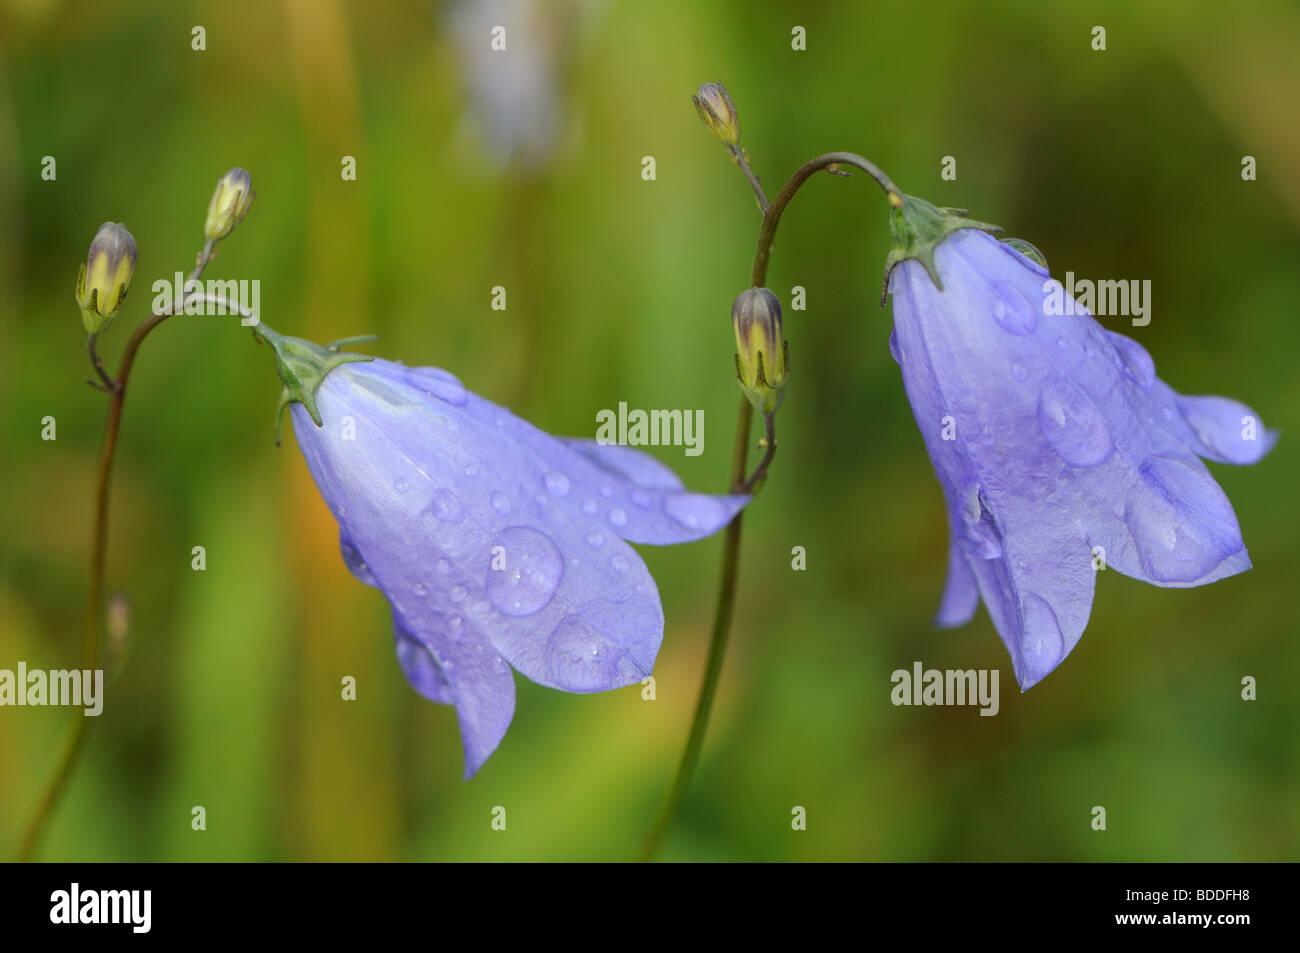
(302,366)
(918,228)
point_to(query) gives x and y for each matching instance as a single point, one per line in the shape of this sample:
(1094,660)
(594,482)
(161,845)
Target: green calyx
(302,366)
(918,228)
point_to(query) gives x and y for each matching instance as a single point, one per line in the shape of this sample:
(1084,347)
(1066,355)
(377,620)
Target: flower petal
(961,596)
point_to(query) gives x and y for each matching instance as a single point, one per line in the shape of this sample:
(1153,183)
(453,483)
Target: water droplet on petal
(443,566)
(441,384)
(1072,424)
(1182,522)
(1134,360)
(1062,343)
(1087,349)
(532,573)
(1042,646)
(978,533)
(456,626)
(596,538)
(557,484)
(607,491)
(419,589)
(895,349)
(471,470)
(617,517)
(501,503)
(456,593)
(641,498)
(1012,310)
(1019,372)
(445,507)
(618,562)
(693,510)
(577,658)
(589,507)
(402,485)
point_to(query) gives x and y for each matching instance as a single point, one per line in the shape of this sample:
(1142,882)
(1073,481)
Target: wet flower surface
(496,544)
(1058,448)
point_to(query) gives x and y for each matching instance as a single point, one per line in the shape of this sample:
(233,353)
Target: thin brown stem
(769,444)
(831,161)
(94,623)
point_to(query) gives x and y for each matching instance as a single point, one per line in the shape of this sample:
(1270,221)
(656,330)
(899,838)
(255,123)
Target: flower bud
(761,359)
(103,279)
(718,112)
(229,203)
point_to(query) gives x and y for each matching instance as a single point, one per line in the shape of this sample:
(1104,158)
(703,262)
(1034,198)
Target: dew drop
(641,498)
(471,470)
(596,538)
(1072,424)
(1042,646)
(575,655)
(617,517)
(402,485)
(1062,343)
(456,626)
(500,502)
(532,573)
(445,507)
(979,534)
(1182,522)
(606,491)
(557,484)
(456,593)
(443,566)
(618,562)
(694,510)
(1019,372)
(419,589)
(1012,310)
(895,349)
(1134,360)
(589,507)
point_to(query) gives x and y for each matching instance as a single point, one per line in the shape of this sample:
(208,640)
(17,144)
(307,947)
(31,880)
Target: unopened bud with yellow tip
(229,203)
(718,112)
(762,358)
(104,277)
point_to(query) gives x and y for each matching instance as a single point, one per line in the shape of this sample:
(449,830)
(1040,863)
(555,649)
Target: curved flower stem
(98,551)
(830,161)
(741,158)
(723,612)
(755,481)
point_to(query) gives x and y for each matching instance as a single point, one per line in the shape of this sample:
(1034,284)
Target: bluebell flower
(497,545)
(1059,450)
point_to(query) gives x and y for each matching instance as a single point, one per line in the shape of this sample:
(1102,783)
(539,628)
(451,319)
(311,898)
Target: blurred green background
(523,169)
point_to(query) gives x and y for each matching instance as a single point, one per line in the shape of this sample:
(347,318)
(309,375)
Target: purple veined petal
(632,464)
(639,498)
(352,559)
(443,655)
(961,595)
(421,666)
(1225,430)
(1184,529)
(449,507)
